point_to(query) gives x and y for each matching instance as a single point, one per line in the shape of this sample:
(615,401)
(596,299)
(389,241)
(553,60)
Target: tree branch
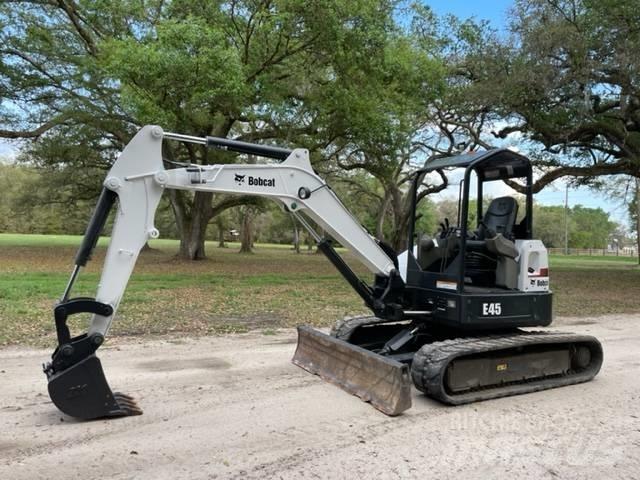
(54,122)
(622,166)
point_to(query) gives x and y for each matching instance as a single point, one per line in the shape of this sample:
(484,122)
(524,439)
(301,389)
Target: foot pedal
(82,391)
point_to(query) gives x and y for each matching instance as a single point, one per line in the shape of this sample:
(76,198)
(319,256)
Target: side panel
(507,310)
(488,311)
(471,310)
(534,266)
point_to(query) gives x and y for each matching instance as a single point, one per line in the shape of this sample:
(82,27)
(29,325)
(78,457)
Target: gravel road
(235,407)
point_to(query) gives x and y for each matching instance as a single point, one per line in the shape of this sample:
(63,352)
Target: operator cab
(485,252)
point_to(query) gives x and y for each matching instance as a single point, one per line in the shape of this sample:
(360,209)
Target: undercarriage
(449,365)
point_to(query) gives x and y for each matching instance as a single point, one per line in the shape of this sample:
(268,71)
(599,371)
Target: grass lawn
(229,292)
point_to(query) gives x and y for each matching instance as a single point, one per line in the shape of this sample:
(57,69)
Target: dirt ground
(235,407)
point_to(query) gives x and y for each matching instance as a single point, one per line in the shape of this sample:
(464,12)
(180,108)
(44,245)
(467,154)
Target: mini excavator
(448,314)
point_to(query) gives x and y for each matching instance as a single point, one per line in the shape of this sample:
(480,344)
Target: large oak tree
(82,76)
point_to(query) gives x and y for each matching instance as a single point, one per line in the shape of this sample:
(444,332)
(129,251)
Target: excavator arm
(136,182)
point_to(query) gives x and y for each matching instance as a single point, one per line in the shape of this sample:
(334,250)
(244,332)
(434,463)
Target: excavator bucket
(82,391)
(382,381)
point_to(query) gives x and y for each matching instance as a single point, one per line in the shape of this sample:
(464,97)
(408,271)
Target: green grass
(34,240)
(579,262)
(229,292)
(21,240)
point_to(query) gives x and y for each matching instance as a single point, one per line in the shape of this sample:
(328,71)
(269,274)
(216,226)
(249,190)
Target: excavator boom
(135,183)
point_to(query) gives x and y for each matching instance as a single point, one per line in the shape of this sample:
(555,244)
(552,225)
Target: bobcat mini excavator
(447,314)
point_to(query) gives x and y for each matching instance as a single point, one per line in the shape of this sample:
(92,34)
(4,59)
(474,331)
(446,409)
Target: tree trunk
(192,241)
(381,216)
(322,234)
(221,229)
(192,225)
(246,231)
(638,217)
(400,219)
(400,239)
(296,235)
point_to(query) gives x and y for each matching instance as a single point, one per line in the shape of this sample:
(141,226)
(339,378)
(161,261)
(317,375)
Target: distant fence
(623,252)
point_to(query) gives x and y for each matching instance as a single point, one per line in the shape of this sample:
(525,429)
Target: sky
(493,10)
(6,150)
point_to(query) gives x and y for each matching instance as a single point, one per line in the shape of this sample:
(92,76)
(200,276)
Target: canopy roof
(496,164)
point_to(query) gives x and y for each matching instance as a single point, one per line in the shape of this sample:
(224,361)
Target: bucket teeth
(127,405)
(124,397)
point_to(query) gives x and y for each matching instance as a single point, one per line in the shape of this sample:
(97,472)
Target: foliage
(371,93)
(548,225)
(82,76)
(26,208)
(588,227)
(565,84)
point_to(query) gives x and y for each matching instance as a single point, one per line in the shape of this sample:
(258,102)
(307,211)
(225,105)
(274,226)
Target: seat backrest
(501,216)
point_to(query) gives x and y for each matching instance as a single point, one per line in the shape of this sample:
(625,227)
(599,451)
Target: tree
(566,81)
(633,209)
(548,225)
(625,190)
(392,132)
(26,208)
(85,75)
(587,227)
(590,227)
(221,226)
(246,229)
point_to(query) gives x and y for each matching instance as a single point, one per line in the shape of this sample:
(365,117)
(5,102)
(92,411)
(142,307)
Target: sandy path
(235,407)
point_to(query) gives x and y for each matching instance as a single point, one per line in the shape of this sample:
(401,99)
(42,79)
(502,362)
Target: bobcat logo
(240,179)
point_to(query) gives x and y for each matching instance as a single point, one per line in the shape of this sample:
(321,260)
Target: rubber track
(345,327)
(431,361)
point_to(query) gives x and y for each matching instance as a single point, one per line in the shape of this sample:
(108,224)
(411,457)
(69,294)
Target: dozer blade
(383,382)
(82,391)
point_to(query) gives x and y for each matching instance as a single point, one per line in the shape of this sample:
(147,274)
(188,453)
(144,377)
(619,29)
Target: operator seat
(489,260)
(491,252)
(499,218)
